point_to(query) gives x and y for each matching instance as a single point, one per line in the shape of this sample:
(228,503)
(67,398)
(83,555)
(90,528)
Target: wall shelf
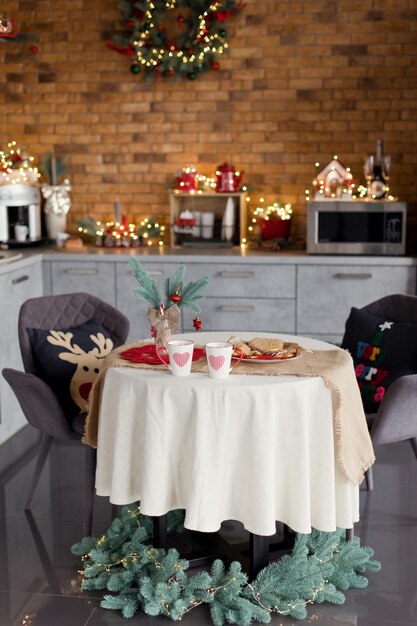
(208,202)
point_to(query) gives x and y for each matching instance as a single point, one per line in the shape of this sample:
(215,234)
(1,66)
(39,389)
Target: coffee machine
(20,204)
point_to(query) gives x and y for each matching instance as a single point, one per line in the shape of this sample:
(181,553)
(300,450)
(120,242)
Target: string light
(275,210)
(206,34)
(16,166)
(147,232)
(337,183)
(332,182)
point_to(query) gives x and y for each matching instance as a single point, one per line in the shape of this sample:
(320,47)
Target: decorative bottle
(378,187)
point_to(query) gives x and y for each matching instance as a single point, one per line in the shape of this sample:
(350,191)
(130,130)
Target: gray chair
(396,419)
(37,400)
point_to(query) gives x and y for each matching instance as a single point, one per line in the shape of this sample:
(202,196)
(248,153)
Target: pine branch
(193,293)
(171,285)
(148,288)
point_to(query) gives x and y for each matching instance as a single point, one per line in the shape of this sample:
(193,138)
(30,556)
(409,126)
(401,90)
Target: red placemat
(147,354)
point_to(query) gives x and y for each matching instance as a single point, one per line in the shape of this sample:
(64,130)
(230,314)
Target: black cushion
(382,350)
(69,359)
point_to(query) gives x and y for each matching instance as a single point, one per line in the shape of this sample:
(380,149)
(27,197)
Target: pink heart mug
(180,352)
(219,355)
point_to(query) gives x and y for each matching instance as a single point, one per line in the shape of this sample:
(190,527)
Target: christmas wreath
(174,37)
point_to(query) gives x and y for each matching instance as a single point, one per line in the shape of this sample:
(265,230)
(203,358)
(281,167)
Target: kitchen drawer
(235,314)
(245,280)
(84,276)
(327,293)
(134,308)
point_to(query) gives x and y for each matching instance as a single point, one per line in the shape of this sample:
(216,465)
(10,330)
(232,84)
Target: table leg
(160,531)
(350,533)
(259,554)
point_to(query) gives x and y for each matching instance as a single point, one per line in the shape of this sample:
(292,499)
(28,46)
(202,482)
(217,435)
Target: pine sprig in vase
(164,315)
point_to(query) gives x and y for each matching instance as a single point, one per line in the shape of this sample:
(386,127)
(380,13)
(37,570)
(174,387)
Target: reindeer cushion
(69,360)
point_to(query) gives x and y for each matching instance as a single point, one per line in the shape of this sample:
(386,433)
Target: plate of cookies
(264,350)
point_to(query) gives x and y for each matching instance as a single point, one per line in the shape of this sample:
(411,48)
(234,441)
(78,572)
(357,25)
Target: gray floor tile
(38,573)
(41,610)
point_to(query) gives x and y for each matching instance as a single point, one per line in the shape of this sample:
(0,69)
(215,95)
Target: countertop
(194,255)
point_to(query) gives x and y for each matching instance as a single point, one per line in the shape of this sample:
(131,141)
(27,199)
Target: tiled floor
(39,584)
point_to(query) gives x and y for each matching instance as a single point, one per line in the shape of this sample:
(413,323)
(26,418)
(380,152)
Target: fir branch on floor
(320,568)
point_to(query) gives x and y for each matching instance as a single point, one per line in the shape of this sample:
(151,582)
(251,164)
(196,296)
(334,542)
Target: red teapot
(227,178)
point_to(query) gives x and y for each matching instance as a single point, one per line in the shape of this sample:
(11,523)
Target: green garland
(202,38)
(320,568)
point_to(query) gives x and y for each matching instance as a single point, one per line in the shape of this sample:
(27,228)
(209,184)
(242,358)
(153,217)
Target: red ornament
(215,65)
(129,23)
(170,72)
(160,28)
(180,19)
(190,50)
(34,49)
(175,297)
(197,323)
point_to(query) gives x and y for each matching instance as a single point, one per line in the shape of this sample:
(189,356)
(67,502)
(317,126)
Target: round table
(257,449)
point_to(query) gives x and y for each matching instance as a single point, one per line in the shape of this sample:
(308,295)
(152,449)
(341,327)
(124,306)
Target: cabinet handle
(82,272)
(363,276)
(236,274)
(19,279)
(237,309)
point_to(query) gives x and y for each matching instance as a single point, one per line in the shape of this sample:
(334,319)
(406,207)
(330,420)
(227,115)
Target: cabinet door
(15,287)
(96,278)
(135,308)
(326,293)
(236,314)
(246,280)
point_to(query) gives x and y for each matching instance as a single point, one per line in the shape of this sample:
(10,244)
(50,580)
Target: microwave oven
(356,227)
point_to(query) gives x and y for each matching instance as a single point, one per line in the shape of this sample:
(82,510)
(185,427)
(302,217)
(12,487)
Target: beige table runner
(354,452)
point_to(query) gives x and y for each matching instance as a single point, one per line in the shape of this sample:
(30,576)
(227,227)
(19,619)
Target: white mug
(197,228)
(61,238)
(219,355)
(21,232)
(180,353)
(207,225)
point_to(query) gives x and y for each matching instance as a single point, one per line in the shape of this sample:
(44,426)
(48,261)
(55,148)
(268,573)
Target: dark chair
(396,419)
(37,400)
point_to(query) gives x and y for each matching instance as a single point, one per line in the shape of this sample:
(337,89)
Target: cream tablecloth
(251,448)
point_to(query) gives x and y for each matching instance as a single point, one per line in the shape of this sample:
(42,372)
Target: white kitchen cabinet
(95,277)
(16,286)
(236,314)
(245,296)
(326,293)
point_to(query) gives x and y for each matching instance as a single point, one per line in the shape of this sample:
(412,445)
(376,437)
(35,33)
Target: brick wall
(302,81)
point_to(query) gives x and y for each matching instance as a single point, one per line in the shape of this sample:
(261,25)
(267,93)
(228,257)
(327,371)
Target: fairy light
(206,41)
(334,181)
(15,166)
(275,210)
(125,235)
